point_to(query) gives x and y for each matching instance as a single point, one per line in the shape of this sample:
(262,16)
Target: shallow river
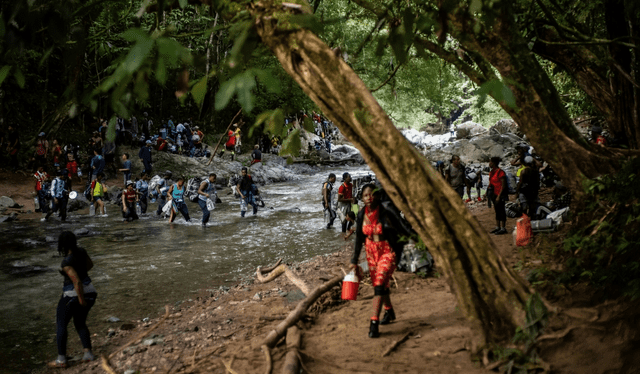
(144,265)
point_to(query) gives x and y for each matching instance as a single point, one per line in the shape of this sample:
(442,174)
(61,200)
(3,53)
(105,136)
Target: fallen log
(293,317)
(283,269)
(291,362)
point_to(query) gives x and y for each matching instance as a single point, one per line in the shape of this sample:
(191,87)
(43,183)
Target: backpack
(511,183)
(59,188)
(192,189)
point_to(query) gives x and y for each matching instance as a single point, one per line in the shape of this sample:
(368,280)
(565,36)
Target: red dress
(380,256)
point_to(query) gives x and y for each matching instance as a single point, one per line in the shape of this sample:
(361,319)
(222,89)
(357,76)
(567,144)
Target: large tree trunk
(488,292)
(538,110)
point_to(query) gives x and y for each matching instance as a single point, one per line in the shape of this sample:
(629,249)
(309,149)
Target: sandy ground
(228,327)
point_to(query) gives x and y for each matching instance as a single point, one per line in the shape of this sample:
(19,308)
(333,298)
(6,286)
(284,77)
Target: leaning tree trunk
(488,292)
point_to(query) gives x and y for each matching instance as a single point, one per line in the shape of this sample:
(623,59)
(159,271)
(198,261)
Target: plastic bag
(166,209)
(523,231)
(210,204)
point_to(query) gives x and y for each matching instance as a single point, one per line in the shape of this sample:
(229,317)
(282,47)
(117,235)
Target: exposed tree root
(228,365)
(275,335)
(396,343)
(143,334)
(267,356)
(291,360)
(106,366)
(278,271)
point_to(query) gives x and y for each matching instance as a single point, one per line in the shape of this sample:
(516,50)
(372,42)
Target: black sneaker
(502,231)
(389,315)
(495,230)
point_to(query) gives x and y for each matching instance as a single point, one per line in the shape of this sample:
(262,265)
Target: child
(97,194)
(126,168)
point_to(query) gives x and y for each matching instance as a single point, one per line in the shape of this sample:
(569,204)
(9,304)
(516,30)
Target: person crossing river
(176,195)
(205,192)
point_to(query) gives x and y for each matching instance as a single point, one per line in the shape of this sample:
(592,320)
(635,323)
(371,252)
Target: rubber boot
(389,315)
(373,329)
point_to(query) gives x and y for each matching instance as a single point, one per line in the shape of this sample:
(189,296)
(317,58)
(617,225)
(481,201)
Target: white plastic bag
(166,209)
(210,204)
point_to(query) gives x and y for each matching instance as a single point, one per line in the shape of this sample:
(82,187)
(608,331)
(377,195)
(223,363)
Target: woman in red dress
(379,227)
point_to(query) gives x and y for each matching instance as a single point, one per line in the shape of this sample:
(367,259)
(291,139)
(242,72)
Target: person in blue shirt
(126,168)
(206,191)
(145,156)
(142,188)
(97,163)
(176,195)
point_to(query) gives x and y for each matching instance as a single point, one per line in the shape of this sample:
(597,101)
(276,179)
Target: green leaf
(170,51)
(161,72)
(308,125)
(135,35)
(19,77)
(183,3)
(241,85)
(111,130)
(498,90)
(270,82)
(4,72)
(137,55)
(275,123)
(199,91)
(141,87)
(224,94)
(291,144)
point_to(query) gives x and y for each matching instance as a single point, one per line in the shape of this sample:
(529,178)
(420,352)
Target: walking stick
(225,133)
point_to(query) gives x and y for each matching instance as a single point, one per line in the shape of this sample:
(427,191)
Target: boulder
(507,126)
(7,202)
(469,129)
(9,218)
(79,203)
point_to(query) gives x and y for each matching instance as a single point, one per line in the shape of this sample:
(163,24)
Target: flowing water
(143,265)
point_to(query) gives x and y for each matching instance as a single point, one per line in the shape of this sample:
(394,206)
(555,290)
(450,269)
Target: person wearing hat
(528,187)
(145,156)
(42,149)
(59,193)
(129,199)
(345,199)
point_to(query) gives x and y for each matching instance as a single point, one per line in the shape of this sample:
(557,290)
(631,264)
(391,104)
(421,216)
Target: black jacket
(393,227)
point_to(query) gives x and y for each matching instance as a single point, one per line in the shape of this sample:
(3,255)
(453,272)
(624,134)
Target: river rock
(469,129)
(81,231)
(50,239)
(257,297)
(507,126)
(9,218)
(79,203)
(7,202)
(113,319)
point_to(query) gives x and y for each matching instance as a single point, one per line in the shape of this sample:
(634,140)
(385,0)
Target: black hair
(373,187)
(100,175)
(331,175)
(496,160)
(66,242)
(98,151)
(212,174)
(244,168)
(351,215)
(180,178)
(126,155)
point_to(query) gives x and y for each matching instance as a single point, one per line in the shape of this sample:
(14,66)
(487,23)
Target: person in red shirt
(497,193)
(345,199)
(230,145)
(41,177)
(129,199)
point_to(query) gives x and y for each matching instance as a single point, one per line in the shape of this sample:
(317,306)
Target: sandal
(57,364)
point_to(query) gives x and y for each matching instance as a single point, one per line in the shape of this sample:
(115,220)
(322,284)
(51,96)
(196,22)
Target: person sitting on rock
(256,155)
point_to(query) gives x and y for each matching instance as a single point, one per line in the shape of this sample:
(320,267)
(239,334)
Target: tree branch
(452,58)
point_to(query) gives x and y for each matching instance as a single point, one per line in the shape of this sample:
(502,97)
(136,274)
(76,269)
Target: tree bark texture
(488,292)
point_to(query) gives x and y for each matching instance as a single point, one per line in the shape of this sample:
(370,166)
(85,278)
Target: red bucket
(350,287)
